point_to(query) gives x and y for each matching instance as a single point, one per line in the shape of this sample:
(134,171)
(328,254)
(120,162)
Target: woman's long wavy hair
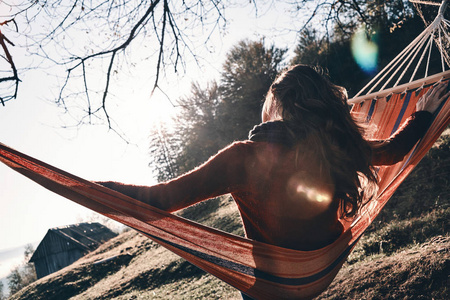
(315,108)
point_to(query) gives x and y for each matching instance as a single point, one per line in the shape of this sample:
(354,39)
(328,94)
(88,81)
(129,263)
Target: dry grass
(142,269)
(421,272)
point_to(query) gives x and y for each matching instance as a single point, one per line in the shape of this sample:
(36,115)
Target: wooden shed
(62,246)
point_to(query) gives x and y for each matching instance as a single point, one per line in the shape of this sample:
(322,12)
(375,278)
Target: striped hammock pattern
(259,270)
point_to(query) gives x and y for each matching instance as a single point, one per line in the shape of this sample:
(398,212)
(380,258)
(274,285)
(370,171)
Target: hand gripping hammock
(259,270)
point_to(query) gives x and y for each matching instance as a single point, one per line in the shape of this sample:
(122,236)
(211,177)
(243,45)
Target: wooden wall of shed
(54,243)
(55,253)
(56,262)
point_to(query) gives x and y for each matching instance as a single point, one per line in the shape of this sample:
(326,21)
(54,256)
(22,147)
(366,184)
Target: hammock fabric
(259,270)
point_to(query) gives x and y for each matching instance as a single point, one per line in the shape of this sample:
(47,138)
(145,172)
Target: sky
(32,124)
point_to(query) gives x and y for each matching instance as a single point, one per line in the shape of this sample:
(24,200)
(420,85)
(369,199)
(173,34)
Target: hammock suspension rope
(421,44)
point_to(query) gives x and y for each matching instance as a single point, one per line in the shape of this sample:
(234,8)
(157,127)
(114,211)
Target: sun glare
(313,194)
(365,51)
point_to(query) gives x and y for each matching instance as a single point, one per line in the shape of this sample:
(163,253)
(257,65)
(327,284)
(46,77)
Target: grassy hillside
(141,270)
(404,254)
(417,272)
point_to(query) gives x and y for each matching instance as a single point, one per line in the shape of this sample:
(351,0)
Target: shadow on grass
(154,278)
(73,282)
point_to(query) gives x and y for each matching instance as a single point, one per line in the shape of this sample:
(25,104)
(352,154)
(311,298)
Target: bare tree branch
(15,77)
(89,37)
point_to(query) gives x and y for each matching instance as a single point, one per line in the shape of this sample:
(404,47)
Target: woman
(303,168)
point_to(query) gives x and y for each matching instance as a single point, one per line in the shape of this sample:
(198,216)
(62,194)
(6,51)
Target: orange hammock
(259,270)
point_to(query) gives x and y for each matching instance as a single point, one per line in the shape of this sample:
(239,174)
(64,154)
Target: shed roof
(86,236)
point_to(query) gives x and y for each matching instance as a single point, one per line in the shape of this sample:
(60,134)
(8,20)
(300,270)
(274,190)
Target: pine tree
(2,297)
(24,274)
(213,116)
(248,71)
(15,282)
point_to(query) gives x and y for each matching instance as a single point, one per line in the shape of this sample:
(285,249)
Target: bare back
(289,200)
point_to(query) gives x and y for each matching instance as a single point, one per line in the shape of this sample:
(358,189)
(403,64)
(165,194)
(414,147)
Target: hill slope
(405,253)
(421,272)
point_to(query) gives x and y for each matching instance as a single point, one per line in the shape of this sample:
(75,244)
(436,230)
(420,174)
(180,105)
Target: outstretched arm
(392,150)
(221,174)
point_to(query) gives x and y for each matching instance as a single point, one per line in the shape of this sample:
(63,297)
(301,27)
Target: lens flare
(365,50)
(313,195)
